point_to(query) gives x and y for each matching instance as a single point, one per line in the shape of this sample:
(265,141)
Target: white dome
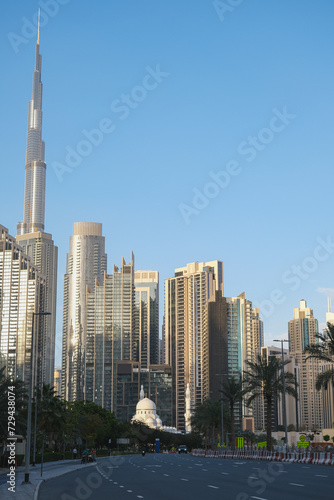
(145,404)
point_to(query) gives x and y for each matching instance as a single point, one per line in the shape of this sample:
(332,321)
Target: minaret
(35,170)
(187,415)
(37,244)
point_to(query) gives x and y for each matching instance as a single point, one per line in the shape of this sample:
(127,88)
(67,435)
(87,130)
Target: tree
(51,413)
(232,392)
(324,351)
(266,378)
(327,437)
(207,418)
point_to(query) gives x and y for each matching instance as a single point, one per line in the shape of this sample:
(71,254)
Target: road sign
(303,444)
(302,438)
(262,444)
(239,442)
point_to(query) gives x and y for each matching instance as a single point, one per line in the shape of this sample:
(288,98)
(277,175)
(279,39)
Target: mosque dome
(146,404)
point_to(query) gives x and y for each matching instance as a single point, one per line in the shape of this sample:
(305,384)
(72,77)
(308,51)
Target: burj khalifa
(37,244)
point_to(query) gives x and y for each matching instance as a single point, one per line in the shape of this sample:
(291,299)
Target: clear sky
(216,137)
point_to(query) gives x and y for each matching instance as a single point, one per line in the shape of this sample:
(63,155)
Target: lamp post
(284,402)
(27,463)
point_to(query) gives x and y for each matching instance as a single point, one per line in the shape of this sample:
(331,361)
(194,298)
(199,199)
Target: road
(176,477)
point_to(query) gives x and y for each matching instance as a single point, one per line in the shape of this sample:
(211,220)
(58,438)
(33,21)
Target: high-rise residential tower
(110,333)
(302,333)
(37,244)
(185,334)
(147,317)
(21,294)
(86,263)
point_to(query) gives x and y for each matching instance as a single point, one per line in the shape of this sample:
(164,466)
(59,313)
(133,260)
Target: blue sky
(246,93)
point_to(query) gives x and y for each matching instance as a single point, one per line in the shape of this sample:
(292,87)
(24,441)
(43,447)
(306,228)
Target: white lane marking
(189,467)
(252,477)
(215,487)
(166,475)
(296,484)
(184,479)
(303,467)
(259,498)
(320,475)
(152,470)
(200,465)
(256,468)
(110,480)
(206,470)
(129,491)
(121,486)
(115,482)
(226,473)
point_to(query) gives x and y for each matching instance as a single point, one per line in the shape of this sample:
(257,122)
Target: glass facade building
(22,290)
(37,244)
(147,317)
(86,266)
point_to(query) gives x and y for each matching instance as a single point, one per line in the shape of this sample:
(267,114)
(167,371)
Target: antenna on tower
(329,299)
(39,19)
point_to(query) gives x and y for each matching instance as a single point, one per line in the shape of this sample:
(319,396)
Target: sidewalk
(30,491)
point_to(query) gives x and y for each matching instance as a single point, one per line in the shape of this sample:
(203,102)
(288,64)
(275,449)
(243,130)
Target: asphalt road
(176,477)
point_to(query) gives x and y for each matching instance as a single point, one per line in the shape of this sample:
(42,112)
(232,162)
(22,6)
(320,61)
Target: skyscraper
(110,333)
(147,317)
(86,263)
(185,342)
(302,333)
(37,244)
(21,294)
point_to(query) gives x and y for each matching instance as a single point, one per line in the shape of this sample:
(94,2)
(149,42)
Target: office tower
(293,406)
(86,263)
(110,333)
(37,244)
(302,333)
(185,343)
(22,291)
(147,317)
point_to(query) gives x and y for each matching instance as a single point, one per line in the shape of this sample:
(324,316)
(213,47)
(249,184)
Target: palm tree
(207,418)
(325,352)
(51,412)
(232,392)
(266,378)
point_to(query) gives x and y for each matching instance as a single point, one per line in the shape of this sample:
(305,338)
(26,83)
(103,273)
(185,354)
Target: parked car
(182,448)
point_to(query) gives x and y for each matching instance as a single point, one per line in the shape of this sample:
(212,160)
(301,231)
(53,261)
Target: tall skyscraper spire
(35,170)
(37,244)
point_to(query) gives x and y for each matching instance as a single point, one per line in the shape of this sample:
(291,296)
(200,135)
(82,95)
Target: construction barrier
(302,457)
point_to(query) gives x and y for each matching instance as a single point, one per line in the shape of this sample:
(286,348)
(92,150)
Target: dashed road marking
(296,484)
(225,473)
(215,487)
(259,498)
(166,475)
(320,475)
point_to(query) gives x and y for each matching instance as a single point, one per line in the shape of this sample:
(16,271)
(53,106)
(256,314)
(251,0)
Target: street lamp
(27,464)
(284,402)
